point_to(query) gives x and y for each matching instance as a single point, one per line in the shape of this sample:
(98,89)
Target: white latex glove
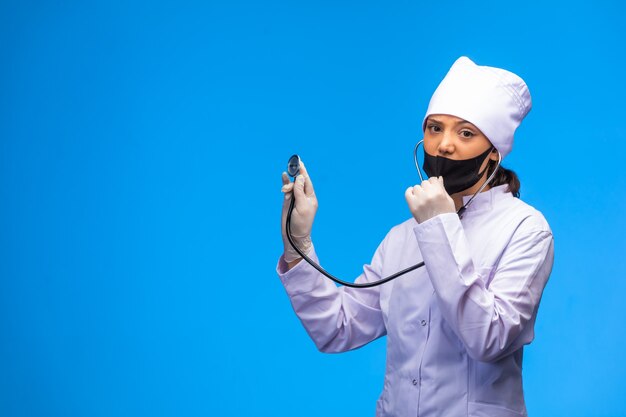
(429,199)
(303,213)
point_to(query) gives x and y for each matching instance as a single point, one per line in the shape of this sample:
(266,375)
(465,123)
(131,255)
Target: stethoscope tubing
(397,274)
(330,276)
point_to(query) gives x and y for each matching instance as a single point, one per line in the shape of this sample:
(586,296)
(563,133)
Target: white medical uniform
(456,327)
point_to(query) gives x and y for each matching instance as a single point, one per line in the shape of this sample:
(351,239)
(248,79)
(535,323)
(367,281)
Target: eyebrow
(460,122)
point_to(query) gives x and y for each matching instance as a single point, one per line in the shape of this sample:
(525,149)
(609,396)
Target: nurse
(456,328)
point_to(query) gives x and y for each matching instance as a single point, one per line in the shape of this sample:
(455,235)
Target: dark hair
(504,176)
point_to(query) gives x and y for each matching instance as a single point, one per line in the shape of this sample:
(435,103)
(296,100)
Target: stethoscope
(293,169)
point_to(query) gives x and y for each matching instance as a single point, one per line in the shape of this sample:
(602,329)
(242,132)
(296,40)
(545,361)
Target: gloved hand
(303,213)
(429,199)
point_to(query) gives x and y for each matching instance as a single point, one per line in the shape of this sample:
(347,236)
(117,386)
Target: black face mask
(458,175)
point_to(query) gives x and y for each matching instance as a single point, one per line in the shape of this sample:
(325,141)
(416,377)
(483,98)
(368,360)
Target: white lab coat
(456,328)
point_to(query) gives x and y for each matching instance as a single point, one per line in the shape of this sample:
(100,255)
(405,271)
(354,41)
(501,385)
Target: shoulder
(526,218)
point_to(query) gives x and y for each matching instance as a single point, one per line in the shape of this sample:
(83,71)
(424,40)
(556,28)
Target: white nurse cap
(493,99)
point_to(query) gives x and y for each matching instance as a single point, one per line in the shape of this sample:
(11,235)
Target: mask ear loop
(417,166)
(482,187)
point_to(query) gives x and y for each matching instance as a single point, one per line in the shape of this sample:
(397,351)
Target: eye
(434,128)
(466,134)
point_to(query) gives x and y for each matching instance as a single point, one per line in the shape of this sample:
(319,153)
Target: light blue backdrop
(141,147)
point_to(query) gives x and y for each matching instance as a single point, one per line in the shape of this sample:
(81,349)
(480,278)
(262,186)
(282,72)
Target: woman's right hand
(304,208)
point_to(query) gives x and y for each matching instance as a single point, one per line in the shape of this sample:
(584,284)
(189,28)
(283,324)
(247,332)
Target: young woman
(455,328)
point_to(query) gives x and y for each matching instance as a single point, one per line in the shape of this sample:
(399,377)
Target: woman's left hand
(429,199)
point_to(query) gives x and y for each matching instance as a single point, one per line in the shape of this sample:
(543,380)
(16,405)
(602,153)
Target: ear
(493,155)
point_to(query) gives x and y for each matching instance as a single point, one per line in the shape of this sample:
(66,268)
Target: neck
(458,197)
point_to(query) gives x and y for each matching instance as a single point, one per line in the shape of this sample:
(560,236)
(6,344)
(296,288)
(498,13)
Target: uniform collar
(486,199)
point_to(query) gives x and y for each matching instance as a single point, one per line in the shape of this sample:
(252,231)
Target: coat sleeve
(496,320)
(337,319)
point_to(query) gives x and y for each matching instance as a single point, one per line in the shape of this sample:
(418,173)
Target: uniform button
(415,382)
(423,322)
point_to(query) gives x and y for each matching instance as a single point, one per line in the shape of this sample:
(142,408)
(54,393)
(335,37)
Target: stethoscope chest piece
(293,166)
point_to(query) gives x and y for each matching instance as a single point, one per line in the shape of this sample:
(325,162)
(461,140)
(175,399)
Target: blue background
(141,147)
